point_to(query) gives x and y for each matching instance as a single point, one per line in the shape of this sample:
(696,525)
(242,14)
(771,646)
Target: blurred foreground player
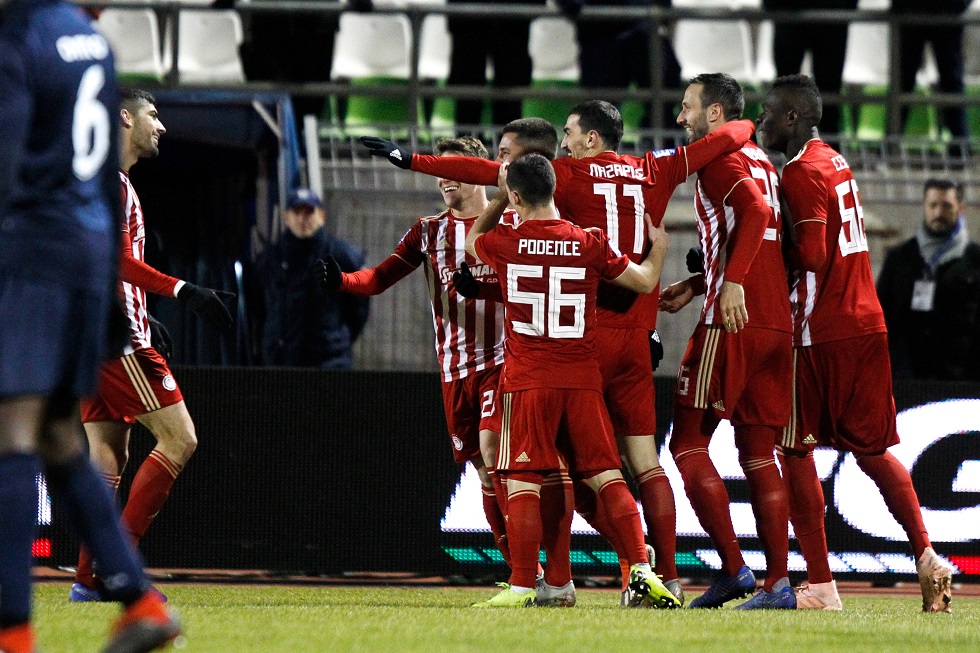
(549,270)
(843,381)
(139,386)
(58,208)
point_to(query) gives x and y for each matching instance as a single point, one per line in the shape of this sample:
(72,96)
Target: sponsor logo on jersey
(481,271)
(457,443)
(660,153)
(169,383)
(523,458)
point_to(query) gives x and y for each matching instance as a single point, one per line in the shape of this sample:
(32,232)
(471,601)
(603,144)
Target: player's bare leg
(494,490)
(613,494)
(657,498)
(20,420)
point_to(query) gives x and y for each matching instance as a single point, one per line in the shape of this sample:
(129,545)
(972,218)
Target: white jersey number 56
(546,307)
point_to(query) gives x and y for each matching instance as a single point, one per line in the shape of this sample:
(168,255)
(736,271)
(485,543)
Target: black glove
(207,303)
(656,350)
(327,274)
(695,260)
(160,337)
(465,283)
(380,147)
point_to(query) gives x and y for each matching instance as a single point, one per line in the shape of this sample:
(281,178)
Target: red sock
(895,485)
(806,510)
(17,639)
(586,505)
(84,574)
(620,507)
(524,534)
(495,516)
(150,490)
(768,497)
(703,485)
(657,499)
(557,500)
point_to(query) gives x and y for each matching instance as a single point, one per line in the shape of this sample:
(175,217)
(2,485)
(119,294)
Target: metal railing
(660,19)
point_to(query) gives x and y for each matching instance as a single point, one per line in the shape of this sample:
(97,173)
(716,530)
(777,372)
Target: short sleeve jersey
(612,192)
(839,301)
(469,332)
(766,298)
(550,272)
(57,170)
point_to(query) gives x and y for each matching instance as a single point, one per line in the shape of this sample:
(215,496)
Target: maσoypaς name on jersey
(548,247)
(82,47)
(613,170)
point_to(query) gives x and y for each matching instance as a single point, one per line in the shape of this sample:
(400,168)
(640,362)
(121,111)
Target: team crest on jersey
(457,443)
(169,383)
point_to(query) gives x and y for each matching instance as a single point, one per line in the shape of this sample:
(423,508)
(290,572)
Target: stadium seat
(135,38)
(208,47)
(554,61)
(866,67)
(434,49)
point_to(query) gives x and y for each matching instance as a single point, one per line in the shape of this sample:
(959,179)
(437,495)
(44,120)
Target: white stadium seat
(135,38)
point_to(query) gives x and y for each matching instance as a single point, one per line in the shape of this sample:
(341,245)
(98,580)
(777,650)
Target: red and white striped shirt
(469,332)
(135,276)
(739,226)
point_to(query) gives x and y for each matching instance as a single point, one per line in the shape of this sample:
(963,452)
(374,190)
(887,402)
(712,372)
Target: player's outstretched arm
(681,293)
(730,137)
(643,278)
(371,281)
(207,302)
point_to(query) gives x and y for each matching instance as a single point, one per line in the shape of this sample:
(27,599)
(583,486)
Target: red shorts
(531,420)
(744,377)
(471,407)
(627,380)
(843,397)
(134,384)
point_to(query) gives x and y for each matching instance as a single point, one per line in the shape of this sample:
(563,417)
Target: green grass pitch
(243,619)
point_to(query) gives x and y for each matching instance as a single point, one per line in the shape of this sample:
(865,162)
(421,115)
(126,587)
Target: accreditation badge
(923,294)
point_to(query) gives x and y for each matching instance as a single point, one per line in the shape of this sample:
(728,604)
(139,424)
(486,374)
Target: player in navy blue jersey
(58,216)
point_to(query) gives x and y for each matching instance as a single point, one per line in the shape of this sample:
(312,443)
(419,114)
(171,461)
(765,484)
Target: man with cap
(298,324)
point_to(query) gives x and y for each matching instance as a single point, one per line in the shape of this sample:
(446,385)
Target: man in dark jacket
(929,289)
(301,325)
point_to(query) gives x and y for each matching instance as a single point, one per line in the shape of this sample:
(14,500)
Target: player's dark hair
(533,178)
(719,88)
(601,117)
(534,135)
(131,99)
(465,145)
(943,185)
(800,92)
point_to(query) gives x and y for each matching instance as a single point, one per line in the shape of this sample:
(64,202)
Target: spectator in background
(826,42)
(298,324)
(505,42)
(616,53)
(292,47)
(947,45)
(929,289)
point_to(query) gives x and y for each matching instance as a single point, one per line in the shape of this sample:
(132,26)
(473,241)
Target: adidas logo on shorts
(719,405)
(523,458)
(809,439)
